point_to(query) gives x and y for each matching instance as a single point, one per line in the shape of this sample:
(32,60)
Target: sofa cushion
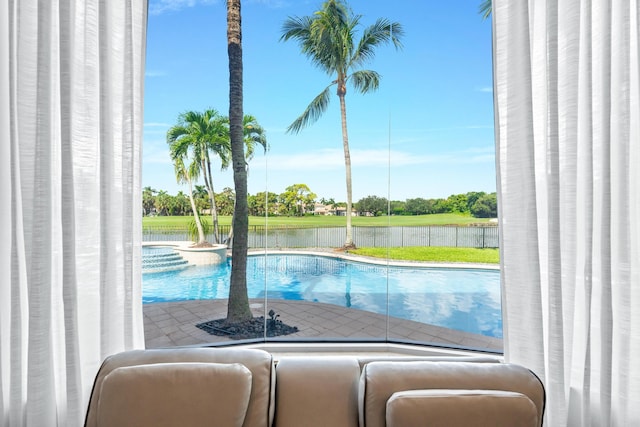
(175,394)
(379,380)
(315,392)
(460,408)
(259,362)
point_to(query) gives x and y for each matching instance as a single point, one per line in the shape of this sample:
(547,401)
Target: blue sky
(427,132)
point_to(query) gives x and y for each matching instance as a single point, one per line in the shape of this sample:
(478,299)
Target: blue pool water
(463,299)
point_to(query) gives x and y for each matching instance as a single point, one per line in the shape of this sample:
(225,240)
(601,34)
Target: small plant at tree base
(273,321)
(192,230)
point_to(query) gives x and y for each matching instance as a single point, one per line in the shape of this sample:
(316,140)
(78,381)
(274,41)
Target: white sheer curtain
(71,76)
(567,90)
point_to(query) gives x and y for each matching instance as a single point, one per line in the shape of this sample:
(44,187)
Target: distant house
(329,210)
(342,211)
(322,209)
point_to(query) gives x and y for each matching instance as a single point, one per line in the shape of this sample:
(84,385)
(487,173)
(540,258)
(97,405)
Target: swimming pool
(463,299)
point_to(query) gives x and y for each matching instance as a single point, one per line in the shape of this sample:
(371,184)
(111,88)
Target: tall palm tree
(220,146)
(238,304)
(184,175)
(328,39)
(162,202)
(148,199)
(202,134)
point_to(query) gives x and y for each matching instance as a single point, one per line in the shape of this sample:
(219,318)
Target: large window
(423,176)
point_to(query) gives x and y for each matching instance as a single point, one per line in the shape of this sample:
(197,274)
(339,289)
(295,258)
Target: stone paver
(173,324)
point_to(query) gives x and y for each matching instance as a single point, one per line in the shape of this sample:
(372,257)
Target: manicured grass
(325,221)
(432,253)
(435,254)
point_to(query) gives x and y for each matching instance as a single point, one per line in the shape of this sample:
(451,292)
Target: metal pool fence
(333,237)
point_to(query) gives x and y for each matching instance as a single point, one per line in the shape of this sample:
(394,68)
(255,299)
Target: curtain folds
(567,103)
(71,83)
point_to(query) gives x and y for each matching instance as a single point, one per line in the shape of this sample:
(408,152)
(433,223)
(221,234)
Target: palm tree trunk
(229,240)
(348,243)
(196,217)
(208,182)
(238,307)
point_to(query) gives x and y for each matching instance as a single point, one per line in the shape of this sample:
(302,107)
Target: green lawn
(433,253)
(325,221)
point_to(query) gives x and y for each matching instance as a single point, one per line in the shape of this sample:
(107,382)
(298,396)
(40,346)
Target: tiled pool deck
(173,324)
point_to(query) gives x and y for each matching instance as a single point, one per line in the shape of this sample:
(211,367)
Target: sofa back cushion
(379,380)
(175,394)
(317,392)
(460,408)
(363,360)
(258,362)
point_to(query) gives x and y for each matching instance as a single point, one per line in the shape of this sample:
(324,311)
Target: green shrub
(192,228)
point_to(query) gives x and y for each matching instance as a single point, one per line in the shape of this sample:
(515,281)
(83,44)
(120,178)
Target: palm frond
(254,134)
(331,36)
(190,117)
(485,9)
(211,114)
(325,37)
(182,175)
(175,132)
(193,170)
(184,172)
(193,138)
(365,80)
(225,158)
(313,112)
(180,142)
(381,32)
(296,28)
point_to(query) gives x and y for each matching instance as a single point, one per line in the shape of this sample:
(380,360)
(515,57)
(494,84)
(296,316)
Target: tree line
(476,203)
(299,200)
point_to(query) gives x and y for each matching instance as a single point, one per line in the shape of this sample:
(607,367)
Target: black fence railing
(261,236)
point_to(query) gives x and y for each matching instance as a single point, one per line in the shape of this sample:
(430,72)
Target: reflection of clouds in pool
(476,312)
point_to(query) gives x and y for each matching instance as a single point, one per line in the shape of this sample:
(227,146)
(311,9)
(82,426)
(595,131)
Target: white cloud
(487,89)
(420,131)
(473,155)
(275,4)
(313,160)
(157,7)
(156,156)
(155,73)
(479,127)
(332,159)
(154,129)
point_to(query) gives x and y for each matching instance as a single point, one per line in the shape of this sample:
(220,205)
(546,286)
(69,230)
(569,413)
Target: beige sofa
(244,387)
